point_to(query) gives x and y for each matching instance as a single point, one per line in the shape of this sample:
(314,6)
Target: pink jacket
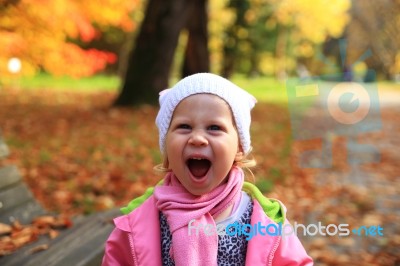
(136,241)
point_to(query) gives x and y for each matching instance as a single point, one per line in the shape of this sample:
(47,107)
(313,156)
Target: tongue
(198,168)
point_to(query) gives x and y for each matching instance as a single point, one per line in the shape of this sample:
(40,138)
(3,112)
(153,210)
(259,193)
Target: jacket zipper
(271,256)
(133,250)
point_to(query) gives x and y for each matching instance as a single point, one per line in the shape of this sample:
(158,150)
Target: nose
(197,139)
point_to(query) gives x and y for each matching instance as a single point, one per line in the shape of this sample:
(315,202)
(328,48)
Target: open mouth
(198,167)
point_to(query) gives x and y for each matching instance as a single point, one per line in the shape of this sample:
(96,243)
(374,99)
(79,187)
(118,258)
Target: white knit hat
(240,102)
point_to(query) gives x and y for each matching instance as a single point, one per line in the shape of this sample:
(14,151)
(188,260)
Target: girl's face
(202,143)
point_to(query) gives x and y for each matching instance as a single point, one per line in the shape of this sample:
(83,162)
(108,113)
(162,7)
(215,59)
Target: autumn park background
(78,97)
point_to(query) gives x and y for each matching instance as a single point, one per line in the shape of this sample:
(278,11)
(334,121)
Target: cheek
(236,144)
(172,144)
(168,140)
(173,149)
(231,148)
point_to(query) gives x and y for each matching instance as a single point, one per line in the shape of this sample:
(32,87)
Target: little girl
(202,212)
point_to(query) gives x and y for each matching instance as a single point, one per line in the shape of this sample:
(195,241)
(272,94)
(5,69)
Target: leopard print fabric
(231,249)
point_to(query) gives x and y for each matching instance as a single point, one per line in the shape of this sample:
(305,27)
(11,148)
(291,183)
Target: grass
(265,89)
(64,83)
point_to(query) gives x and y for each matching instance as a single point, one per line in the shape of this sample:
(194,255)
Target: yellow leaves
(288,28)
(242,33)
(251,16)
(114,12)
(267,64)
(271,23)
(305,49)
(314,19)
(284,12)
(219,19)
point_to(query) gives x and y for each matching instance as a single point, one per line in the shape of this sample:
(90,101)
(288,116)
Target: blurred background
(79,83)
(253,38)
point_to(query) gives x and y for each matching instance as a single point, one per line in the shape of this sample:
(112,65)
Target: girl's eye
(214,127)
(184,126)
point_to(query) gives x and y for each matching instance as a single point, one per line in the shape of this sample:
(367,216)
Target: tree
(151,59)
(372,37)
(196,57)
(232,42)
(43,34)
(277,33)
(374,26)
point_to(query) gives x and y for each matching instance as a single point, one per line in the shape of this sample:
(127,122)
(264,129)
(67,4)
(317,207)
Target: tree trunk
(196,58)
(150,62)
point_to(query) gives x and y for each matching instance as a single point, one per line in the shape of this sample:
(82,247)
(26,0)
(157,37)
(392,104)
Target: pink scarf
(180,207)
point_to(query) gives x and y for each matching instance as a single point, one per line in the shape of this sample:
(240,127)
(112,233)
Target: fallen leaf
(5,229)
(38,248)
(25,236)
(44,221)
(62,222)
(53,234)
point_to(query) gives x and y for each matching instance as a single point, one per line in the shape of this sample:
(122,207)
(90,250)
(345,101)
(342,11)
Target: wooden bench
(82,244)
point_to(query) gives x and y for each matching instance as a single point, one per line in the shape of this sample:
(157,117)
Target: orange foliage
(38,33)
(78,156)
(15,236)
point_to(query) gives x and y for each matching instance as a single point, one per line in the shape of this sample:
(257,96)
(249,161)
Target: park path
(375,191)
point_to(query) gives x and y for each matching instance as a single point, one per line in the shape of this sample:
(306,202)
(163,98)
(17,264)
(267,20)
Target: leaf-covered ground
(78,155)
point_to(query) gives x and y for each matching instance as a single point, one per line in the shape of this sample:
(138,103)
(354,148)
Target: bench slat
(24,213)
(83,244)
(9,175)
(15,196)
(4,151)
